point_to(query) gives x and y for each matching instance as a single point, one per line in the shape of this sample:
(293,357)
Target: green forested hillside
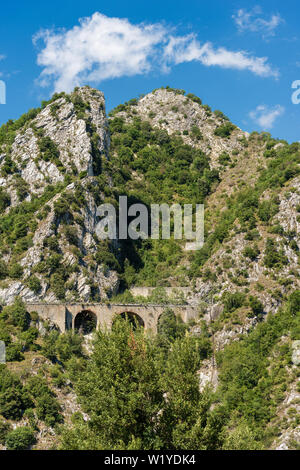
(226,380)
(142,392)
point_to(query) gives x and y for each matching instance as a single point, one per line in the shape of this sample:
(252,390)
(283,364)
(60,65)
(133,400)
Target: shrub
(294,302)
(20,228)
(256,305)
(68,345)
(4,200)
(57,283)
(20,438)
(28,338)
(52,243)
(48,149)
(16,314)
(233,301)
(71,235)
(267,209)
(4,332)
(62,207)
(8,167)
(107,258)
(34,284)
(15,271)
(274,258)
(225,130)
(194,98)
(47,407)
(196,133)
(80,106)
(3,270)
(220,115)
(251,252)
(58,376)
(54,262)
(49,345)
(224,159)
(271,153)
(14,352)
(14,399)
(22,187)
(170,327)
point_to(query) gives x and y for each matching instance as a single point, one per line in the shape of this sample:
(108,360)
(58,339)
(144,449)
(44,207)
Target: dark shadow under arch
(134,319)
(85,322)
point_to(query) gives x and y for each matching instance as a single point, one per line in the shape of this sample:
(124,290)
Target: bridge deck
(64,314)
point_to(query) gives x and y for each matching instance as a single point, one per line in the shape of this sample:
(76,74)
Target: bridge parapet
(64,315)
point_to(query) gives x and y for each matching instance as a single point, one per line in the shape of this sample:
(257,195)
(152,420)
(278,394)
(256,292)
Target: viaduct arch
(85,316)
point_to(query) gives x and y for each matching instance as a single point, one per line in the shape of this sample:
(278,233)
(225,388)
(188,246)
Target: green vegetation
(224,130)
(169,170)
(122,388)
(220,115)
(4,200)
(47,407)
(14,398)
(5,427)
(20,438)
(273,256)
(49,152)
(249,373)
(142,391)
(134,413)
(251,252)
(248,207)
(8,130)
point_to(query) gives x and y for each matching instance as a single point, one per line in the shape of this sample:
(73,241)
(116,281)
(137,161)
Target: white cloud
(265,116)
(252,20)
(187,48)
(100,48)
(97,49)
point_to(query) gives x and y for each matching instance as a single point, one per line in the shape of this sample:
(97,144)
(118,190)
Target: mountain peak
(184,115)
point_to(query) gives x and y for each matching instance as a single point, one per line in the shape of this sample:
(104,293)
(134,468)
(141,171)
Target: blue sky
(239,56)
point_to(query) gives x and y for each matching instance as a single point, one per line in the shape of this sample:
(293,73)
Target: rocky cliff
(251,209)
(59,162)
(57,165)
(50,188)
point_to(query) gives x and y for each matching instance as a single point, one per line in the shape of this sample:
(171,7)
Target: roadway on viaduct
(64,315)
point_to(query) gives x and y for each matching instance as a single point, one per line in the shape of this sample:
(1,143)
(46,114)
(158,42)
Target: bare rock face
(288,213)
(208,375)
(57,156)
(61,122)
(67,140)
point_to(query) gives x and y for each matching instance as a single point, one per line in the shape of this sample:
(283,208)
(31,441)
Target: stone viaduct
(72,316)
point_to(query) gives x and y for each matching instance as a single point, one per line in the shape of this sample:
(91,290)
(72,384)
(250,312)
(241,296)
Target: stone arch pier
(85,316)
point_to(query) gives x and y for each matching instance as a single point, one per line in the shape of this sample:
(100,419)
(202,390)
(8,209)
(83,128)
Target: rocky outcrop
(67,139)
(195,123)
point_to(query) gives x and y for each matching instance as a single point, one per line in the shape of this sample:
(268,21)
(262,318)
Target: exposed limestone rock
(77,126)
(208,375)
(178,114)
(296,353)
